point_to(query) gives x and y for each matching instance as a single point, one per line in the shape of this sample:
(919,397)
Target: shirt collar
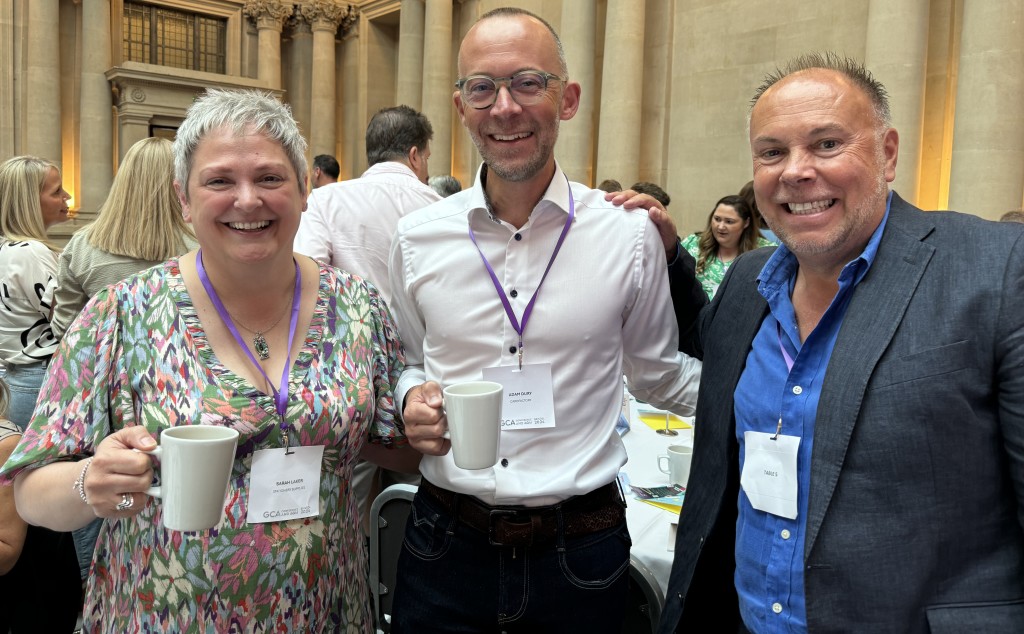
(780,269)
(556,196)
(391,167)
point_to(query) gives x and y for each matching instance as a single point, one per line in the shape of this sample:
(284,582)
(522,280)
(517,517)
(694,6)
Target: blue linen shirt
(770,549)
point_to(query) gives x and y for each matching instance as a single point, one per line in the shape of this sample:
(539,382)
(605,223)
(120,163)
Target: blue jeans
(24,382)
(451,579)
(85,544)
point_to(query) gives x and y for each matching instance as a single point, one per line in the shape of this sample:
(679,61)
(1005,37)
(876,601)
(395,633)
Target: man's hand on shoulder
(630,199)
(425,422)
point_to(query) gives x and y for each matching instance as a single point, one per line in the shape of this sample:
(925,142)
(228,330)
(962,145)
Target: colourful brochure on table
(669,498)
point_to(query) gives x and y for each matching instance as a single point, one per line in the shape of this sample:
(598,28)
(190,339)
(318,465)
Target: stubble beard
(507,170)
(834,239)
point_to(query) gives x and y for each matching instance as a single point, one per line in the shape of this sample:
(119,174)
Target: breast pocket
(929,363)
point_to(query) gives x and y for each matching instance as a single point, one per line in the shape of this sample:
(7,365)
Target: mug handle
(153,491)
(447,435)
(661,468)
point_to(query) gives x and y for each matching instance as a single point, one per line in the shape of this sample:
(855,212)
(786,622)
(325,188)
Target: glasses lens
(528,87)
(478,90)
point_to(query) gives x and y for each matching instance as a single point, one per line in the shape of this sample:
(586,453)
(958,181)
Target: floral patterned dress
(138,356)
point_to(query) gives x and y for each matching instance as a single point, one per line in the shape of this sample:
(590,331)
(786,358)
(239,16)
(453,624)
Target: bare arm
(47,496)
(12,527)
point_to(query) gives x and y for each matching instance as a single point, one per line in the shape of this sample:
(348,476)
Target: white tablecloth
(649,526)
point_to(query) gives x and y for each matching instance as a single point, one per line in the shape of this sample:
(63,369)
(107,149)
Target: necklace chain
(259,342)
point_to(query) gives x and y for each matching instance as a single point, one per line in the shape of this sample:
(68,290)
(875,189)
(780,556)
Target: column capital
(328,15)
(268,14)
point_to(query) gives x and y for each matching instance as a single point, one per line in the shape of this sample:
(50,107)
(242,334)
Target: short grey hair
(846,66)
(238,110)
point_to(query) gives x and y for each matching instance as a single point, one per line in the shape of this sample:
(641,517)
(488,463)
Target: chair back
(388,515)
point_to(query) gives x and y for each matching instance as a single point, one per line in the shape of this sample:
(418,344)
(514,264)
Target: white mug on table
(678,460)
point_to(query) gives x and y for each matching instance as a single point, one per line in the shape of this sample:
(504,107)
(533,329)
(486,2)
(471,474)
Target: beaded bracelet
(79,484)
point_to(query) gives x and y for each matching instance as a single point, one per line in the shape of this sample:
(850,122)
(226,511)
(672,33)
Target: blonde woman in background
(32,199)
(139,225)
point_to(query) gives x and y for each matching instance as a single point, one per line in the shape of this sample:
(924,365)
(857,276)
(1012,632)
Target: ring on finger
(127,500)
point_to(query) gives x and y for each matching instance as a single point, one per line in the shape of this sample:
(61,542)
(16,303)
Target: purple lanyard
(785,354)
(520,328)
(281,394)
(789,368)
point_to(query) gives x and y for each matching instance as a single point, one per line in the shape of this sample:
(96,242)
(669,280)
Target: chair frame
(644,578)
(384,566)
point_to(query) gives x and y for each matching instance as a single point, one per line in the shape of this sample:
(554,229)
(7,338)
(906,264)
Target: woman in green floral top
(205,339)
(731,231)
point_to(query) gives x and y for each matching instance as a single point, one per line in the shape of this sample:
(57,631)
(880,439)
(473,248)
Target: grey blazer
(916,512)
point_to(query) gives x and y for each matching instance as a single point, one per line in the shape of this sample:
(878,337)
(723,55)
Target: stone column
(269,16)
(8,99)
(410,54)
(900,63)
(352,104)
(298,83)
(987,177)
(618,149)
(324,17)
(250,50)
(575,150)
(437,82)
(95,111)
(657,72)
(41,92)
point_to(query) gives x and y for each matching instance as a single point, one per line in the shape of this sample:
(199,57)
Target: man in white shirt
(350,224)
(325,171)
(526,277)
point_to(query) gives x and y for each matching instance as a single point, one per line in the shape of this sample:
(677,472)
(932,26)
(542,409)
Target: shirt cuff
(410,378)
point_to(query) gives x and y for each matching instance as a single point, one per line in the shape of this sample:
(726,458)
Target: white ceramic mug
(195,467)
(678,459)
(474,422)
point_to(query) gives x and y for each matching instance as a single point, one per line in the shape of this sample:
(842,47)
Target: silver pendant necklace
(259,342)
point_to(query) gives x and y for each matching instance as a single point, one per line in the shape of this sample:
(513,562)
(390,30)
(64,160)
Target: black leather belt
(598,510)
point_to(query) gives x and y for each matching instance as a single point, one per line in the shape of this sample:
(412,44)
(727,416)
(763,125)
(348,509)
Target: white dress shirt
(603,310)
(349,225)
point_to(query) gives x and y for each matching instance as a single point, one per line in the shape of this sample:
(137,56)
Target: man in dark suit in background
(859,450)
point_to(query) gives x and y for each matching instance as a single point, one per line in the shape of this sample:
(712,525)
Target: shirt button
(514,293)
(512,349)
(798,390)
(777,608)
(785,533)
(519,236)
(504,462)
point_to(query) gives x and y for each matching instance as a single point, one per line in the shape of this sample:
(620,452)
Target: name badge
(284,487)
(529,401)
(769,473)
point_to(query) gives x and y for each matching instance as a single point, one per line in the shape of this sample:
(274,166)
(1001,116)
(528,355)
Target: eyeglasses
(527,87)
